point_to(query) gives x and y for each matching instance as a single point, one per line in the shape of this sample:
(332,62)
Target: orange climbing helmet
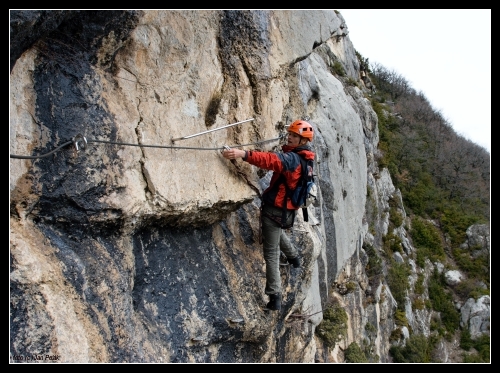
(302,128)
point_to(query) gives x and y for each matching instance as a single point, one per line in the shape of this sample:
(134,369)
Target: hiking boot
(283,260)
(274,303)
(294,261)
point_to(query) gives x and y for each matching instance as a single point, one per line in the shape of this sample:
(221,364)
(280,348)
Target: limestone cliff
(135,245)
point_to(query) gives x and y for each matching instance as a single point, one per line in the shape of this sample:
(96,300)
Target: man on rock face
(287,169)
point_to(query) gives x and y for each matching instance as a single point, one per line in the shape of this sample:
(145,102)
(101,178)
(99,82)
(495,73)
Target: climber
(278,213)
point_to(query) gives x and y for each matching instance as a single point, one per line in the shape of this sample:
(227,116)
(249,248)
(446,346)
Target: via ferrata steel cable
(77,140)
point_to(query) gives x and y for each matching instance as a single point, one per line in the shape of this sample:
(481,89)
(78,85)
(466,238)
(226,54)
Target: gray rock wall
(144,247)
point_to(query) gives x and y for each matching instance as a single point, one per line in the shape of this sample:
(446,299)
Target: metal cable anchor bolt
(80,139)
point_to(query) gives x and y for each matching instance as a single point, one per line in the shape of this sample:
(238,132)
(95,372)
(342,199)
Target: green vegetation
(441,301)
(352,82)
(455,222)
(370,328)
(436,326)
(475,358)
(475,267)
(418,304)
(466,341)
(354,354)
(397,278)
(471,288)
(364,63)
(400,318)
(440,174)
(427,240)
(338,69)
(417,349)
(386,124)
(392,244)
(396,335)
(350,286)
(419,284)
(334,325)
(444,180)
(395,217)
(374,267)
(371,209)
(481,345)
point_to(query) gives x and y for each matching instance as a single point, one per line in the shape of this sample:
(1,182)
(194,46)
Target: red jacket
(286,164)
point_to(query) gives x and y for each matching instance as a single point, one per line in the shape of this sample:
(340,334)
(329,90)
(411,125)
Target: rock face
(141,246)
(478,240)
(476,315)
(453,277)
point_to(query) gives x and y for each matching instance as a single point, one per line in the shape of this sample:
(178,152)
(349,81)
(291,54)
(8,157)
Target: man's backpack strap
(305,213)
(303,165)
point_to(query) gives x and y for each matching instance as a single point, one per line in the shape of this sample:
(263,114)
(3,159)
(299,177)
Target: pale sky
(444,53)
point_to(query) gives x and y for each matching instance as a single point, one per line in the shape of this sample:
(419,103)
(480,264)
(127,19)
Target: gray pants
(274,239)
